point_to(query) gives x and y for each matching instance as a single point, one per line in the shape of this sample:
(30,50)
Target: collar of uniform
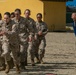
(28,18)
(7,24)
(18,21)
(40,21)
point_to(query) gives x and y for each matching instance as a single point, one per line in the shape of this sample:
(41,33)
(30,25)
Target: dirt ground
(60,57)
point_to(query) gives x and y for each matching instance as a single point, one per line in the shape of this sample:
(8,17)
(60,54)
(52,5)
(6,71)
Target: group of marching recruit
(18,36)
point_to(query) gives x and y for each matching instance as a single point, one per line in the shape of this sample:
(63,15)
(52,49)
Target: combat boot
(26,61)
(37,60)
(32,62)
(17,68)
(11,63)
(7,67)
(41,61)
(3,67)
(22,65)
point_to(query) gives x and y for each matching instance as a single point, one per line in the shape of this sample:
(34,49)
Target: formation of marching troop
(18,35)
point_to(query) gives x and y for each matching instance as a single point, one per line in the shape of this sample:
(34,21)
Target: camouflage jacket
(11,34)
(0,31)
(24,28)
(42,26)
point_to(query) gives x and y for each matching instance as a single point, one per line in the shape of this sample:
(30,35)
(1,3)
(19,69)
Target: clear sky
(71,3)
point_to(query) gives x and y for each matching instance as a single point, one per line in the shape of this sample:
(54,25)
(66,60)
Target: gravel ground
(60,57)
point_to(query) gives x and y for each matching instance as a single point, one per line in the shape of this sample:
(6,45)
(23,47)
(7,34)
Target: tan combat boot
(3,67)
(17,68)
(7,67)
(26,61)
(32,62)
(37,60)
(22,65)
(41,61)
(11,63)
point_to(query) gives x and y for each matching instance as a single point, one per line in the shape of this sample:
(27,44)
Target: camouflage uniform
(24,32)
(31,47)
(10,43)
(41,26)
(1,59)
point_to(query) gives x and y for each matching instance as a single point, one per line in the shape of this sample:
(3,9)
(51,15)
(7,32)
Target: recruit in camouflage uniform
(10,42)
(23,27)
(42,31)
(23,35)
(31,43)
(2,62)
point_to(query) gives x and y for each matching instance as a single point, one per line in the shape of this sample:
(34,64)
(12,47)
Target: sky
(71,3)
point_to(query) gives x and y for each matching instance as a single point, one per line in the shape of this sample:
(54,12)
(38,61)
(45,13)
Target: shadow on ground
(44,69)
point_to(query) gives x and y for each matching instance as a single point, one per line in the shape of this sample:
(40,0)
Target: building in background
(54,11)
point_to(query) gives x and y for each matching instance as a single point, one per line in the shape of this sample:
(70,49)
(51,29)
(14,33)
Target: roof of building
(57,0)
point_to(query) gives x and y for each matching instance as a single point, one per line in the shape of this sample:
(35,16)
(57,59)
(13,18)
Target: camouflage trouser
(42,48)
(36,46)
(2,61)
(41,41)
(0,48)
(1,58)
(23,51)
(31,49)
(8,48)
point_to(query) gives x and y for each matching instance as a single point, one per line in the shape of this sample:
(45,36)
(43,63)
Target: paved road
(60,57)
